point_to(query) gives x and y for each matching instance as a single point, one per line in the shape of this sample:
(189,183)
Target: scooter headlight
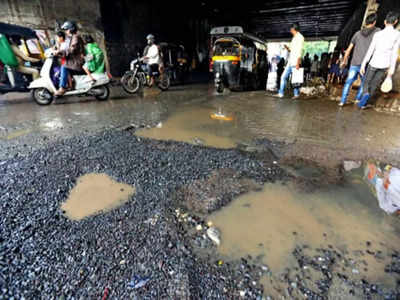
(217,75)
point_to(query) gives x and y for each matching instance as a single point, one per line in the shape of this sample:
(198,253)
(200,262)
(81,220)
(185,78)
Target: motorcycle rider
(74,54)
(152,57)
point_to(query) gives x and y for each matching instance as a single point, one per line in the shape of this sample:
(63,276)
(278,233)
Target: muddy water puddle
(268,225)
(95,193)
(197,125)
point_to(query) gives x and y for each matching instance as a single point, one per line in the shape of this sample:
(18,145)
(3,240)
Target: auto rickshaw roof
(236,32)
(166,45)
(10,29)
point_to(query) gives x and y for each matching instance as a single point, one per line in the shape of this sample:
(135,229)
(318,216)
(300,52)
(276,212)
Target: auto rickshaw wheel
(42,96)
(164,82)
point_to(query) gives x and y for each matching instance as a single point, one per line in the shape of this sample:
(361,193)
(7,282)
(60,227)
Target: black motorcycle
(137,77)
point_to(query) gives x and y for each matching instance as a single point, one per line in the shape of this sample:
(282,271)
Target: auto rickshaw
(14,81)
(238,60)
(176,61)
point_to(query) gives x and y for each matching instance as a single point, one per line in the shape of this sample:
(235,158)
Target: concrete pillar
(43,15)
(396,77)
(372,7)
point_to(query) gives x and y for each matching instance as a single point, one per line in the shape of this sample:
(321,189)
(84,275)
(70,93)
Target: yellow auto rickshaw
(31,47)
(238,60)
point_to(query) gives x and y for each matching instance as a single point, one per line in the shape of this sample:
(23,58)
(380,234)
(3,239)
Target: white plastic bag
(297,76)
(387,186)
(387,85)
(272,83)
(389,194)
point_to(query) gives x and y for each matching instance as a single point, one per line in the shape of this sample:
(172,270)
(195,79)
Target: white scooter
(43,88)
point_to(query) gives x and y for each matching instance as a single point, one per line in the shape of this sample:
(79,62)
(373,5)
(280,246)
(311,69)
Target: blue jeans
(373,78)
(353,74)
(284,78)
(64,77)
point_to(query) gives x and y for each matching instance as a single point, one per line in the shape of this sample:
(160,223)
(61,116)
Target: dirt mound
(211,193)
(310,176)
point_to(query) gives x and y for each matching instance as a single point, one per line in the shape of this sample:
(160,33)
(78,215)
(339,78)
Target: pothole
(95,193)
(199,126)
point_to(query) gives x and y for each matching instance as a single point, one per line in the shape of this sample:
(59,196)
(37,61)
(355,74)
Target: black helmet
(69,25)
(150,37)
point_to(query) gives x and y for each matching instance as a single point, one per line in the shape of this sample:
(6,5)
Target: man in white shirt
(153,57)
(381,56)
(295,55)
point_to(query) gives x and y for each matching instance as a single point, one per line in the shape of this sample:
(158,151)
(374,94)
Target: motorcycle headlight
(217,75)
(132,65)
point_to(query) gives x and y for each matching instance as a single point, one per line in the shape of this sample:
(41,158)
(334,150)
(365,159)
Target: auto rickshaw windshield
(226,48)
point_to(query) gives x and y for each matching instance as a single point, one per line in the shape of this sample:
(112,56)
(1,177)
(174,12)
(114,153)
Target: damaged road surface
(42,252)
(192,197)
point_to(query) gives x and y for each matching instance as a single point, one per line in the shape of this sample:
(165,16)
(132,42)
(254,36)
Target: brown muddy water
(95,193)
(206,126)
(271,223)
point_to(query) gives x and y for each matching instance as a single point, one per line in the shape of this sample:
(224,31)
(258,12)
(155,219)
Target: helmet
(150,37)
(69,25)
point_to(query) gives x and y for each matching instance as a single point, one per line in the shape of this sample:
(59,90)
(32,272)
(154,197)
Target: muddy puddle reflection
(271,223)
(197,125)
(95,193)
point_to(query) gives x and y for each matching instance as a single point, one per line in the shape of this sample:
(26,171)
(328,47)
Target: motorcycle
(137,77)
(44,88)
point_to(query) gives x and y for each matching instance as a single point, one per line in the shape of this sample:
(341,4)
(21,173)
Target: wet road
(315,129)
(132,228)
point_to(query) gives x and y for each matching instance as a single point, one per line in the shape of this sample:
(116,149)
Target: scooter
(44,88)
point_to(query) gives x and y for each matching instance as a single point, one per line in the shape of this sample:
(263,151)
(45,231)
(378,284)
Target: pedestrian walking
(324,65)
(272,84)
(294,62)
(281,68)
(315,66)
(359,46)
(334,70)
(306,64)
(382,58)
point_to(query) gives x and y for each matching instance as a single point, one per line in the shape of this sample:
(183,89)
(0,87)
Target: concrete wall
(355,22)
(120,26)
(127,23)
(44,15)
(396,77)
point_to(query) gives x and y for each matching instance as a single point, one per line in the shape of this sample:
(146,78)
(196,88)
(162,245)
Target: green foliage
(318,47)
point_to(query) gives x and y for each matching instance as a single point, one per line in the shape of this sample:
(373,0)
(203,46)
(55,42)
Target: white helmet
(150,37)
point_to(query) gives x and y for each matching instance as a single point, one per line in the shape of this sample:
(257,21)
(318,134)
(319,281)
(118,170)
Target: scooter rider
(74,54)
(152,57)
